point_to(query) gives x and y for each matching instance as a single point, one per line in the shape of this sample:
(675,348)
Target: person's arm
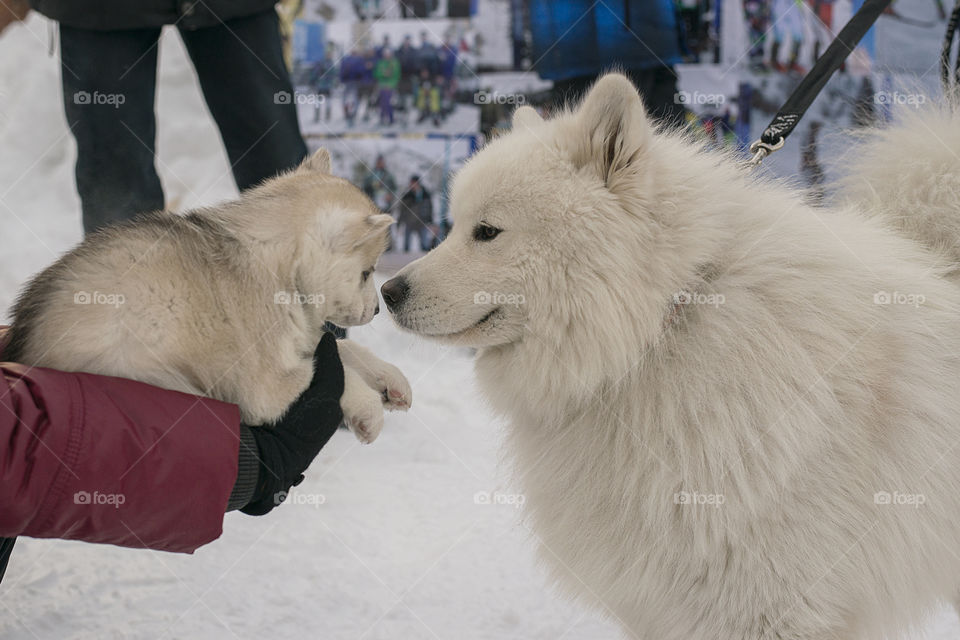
(104,459)
(109,460)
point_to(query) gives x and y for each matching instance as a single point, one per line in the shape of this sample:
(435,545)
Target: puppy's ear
(526,117)
(613,127)
(372,228)
(319,162)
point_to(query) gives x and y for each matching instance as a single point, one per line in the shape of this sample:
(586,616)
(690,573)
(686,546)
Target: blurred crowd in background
(403,83)
(413,209)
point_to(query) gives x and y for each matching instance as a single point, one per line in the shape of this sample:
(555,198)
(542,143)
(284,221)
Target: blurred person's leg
(109,84)
(349,96)
(241,70)
(369,100)
(386,106)
(657,86)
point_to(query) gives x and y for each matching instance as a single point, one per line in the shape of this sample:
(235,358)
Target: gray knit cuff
(248,470)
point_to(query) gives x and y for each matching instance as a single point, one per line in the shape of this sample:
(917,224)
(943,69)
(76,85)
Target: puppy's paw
(365,428)
(380,376)
(395,390)
(363,413)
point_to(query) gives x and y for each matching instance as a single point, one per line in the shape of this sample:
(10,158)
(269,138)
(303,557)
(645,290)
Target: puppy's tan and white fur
(227,301)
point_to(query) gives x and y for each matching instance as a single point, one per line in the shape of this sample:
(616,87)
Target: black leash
(806,92)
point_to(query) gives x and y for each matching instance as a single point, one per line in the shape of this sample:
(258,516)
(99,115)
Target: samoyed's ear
(319,162)
(614,125)
(371,229)
(525,117)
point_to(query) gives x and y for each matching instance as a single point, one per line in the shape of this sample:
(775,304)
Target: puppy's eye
(366,275)
(485,233)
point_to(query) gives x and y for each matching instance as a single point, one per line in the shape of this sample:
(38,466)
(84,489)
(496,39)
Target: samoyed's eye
(485,233)
(366,275)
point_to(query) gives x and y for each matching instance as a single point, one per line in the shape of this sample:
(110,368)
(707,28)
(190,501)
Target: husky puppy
(733,416)
(226,302)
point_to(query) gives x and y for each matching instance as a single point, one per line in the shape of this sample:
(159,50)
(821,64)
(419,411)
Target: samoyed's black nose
(395,291)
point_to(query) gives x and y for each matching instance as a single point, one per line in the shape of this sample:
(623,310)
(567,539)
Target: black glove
(287,448)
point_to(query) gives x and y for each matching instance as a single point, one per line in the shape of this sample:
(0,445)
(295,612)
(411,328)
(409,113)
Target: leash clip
(761,150)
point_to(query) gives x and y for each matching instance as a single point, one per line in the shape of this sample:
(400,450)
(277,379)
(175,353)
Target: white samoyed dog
(733,416)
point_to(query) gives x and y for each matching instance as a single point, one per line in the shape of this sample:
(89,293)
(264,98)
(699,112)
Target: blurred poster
(309,42)
(359,69)
(388,167)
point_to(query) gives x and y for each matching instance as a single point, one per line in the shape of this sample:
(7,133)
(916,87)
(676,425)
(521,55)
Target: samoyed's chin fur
(733,416)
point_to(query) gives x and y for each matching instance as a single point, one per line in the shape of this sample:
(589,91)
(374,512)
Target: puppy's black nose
(395,292)
(376,309)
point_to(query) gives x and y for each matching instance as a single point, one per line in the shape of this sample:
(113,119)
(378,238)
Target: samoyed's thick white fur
(733,416)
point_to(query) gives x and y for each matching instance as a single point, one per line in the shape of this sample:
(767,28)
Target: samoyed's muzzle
(394,292)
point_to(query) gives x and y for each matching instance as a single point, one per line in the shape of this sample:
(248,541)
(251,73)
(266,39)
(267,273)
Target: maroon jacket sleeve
(104,459)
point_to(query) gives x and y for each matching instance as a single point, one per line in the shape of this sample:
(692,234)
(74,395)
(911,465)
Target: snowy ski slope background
(399,547)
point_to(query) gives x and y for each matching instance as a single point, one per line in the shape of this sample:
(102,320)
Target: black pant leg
(247,87)
(109,84)
(6,548)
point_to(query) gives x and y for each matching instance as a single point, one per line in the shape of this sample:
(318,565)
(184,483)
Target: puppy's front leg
(361,405)
(380,376)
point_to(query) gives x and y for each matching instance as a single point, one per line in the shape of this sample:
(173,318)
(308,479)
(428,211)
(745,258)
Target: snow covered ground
(382,542)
